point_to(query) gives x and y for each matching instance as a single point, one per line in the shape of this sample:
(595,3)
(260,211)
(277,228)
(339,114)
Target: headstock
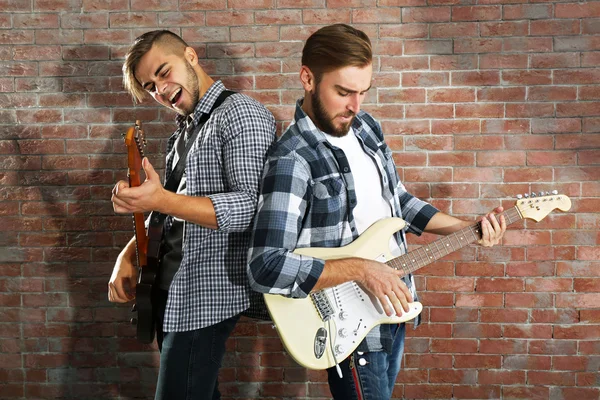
(135,136)
(538,206)
(135,141)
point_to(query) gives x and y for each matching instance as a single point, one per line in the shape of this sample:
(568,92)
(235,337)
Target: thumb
(149,170)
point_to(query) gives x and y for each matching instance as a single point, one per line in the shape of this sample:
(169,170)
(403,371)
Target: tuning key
(526,195)
(519,196)
(555,192)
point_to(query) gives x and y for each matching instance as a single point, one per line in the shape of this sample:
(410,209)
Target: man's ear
(307,78)
(190,56)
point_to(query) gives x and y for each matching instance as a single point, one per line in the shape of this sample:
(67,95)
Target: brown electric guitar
(147,245)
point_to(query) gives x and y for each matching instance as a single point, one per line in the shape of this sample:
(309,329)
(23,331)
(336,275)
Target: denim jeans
(370,375)
(190,361)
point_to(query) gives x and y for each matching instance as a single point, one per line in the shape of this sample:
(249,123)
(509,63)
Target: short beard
(192,83)
(324,121)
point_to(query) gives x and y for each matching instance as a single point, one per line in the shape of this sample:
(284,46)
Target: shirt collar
(203,107)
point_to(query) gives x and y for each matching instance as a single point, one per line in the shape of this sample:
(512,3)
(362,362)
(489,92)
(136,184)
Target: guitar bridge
(323,305)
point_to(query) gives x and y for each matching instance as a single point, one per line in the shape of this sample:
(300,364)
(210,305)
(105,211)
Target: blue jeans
(372,381)
(190,361)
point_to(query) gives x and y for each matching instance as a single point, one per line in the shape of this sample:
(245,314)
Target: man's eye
(343,94)
(165,73)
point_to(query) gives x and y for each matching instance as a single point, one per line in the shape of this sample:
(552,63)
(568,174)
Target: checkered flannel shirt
(307,200)
(225,165)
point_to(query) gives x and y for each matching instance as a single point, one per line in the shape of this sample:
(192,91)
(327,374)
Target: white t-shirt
(370,204)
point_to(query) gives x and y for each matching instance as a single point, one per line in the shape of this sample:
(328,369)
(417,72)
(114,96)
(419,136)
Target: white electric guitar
(324,328)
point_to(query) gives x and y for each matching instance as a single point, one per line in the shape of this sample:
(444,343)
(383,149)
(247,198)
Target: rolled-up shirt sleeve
(272,265)
(247,133)
(415,212)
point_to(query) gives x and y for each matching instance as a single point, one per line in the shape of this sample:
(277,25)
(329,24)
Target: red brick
(429,111)
(454,62)
(476,45)
(454,29)
(520,28)
(527,11)
(513,126)
(577,43)
(450,95)
(555,27)
(521,45)
(577,10)
(590,26)
(407,31)
(526,77)
(476,13)
(401,96)
(427,46)
(552,158)
(455,127)
(501,94)
(556,60)
(425,14)
(529,110)
(477,110)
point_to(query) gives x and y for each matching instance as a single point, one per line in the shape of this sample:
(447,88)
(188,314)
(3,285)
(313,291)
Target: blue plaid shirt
(307,200)
(225,165)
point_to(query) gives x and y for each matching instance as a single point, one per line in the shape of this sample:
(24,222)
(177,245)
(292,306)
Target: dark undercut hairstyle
(168,41)
(334,47)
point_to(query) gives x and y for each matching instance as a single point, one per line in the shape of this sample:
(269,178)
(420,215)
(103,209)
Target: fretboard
(433,251)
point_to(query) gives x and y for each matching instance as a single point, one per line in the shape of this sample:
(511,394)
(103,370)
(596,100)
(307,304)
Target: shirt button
(353,229)
(362,362)
(346,169)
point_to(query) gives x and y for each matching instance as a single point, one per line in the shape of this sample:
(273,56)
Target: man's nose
(354,103)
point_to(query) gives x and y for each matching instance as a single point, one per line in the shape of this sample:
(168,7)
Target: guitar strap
(157,219)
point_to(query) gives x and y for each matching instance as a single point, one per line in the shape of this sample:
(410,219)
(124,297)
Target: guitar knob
(133,321)
(339,349)
(134,308)
(343,332)
(343,315)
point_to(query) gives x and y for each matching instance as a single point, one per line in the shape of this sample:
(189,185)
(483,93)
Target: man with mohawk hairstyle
(202,287)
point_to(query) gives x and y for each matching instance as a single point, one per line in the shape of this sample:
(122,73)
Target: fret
(437,249)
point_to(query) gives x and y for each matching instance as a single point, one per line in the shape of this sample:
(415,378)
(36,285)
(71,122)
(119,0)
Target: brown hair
(142,44)
(336,46)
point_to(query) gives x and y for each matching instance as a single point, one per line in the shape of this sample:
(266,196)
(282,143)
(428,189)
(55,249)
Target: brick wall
(480,100)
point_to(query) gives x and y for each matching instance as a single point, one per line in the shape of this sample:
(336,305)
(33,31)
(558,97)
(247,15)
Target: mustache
(347,115)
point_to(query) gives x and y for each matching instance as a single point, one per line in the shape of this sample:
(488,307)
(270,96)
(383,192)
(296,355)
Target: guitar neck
(425,255)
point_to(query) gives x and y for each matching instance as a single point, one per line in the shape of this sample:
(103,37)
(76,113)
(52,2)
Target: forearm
(339,271)
(444,224)
(198,210)
(129,251)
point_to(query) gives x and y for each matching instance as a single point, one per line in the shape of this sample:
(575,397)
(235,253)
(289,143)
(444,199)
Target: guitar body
(313,342)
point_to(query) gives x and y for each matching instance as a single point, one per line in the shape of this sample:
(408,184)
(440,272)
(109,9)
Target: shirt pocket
(328,203)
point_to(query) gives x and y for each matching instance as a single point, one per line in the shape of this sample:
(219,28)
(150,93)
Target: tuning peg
(519,196)
(541,194)
(533,194)
(526,195)
(555,192)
